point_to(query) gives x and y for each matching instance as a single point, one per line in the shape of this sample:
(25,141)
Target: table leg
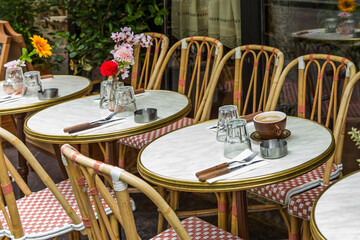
(58,158)
(22,165)
(242,214)
(112,152)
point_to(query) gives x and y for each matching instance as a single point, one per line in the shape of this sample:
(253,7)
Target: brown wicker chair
(316,99)
(80,167)
(40,215)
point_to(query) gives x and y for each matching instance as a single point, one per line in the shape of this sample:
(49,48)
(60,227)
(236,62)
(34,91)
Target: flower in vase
(14,64)
(346,6)
(123,52)
(41,47)
(109,68)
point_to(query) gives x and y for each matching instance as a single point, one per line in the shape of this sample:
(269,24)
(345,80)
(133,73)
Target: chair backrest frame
(194,84)
(79,165)
(14,221)
(153,59)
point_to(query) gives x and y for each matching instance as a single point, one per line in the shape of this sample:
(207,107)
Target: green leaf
(158,20)
(98,55)
(129,8)
(72,54)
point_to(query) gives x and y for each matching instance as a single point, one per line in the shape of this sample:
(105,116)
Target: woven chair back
(82,169)
(316,86)
(339,128)
(7,198)
(196,59)
(148,63)
(265,68)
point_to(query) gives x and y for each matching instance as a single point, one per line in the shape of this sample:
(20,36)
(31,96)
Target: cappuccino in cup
(270,125)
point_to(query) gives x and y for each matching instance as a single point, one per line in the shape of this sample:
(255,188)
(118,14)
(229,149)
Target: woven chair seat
(43,217)
(283,191)
(197,229)
(300,205)
(139,141)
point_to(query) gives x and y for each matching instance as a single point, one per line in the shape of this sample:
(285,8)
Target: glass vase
(108,91)
(14,79)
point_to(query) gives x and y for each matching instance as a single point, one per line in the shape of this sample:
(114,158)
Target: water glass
(237,138)
(107,93)
(32,83)
(226,113)
(125,103)
(330,25)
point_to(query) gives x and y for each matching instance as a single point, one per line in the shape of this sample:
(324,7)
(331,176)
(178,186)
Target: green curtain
(219,19)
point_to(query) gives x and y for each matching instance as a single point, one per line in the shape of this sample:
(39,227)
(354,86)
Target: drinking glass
(32,82)
(237,138)
(107,92)
(330,25)
(125,103)
(226,113)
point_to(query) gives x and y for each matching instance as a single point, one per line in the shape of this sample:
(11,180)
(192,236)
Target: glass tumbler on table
(125,103)
(107,93)
(32,82)
(237,138)
(226,113)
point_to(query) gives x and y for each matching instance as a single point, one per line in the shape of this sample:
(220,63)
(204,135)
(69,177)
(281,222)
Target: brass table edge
(107,136)
(48,103)
(313,226)
(236,185)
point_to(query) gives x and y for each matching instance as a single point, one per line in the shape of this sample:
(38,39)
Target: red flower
(109,68)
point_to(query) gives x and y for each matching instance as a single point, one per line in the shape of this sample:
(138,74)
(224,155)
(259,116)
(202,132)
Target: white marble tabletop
(336,214)
(69,87)
(173,159)
(48,124)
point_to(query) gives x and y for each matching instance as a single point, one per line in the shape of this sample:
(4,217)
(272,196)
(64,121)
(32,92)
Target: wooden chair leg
(174,201)
(122,153)
(223,210)
(234,224)
(306,234)
(294,233)
(115,226)
(160,227)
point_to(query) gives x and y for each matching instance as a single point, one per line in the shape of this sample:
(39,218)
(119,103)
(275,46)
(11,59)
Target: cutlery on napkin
(224,168)
(240,167)
(94,129)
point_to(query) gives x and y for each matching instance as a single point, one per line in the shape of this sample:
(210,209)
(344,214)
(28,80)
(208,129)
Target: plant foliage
(95,20)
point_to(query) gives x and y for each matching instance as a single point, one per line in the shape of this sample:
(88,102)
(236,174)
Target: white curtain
(219,19)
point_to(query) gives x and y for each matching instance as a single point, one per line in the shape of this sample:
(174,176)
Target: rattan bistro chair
(205,54)
(300,205)
(80,166)
(39,215)
(265,68)
(147,65)
(317,99)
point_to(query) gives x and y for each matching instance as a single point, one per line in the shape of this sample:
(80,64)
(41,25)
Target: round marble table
(48,124)
(336,213)
(70,87)
(172,160)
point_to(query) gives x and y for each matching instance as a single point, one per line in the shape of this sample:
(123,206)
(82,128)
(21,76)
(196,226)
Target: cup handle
(277,131)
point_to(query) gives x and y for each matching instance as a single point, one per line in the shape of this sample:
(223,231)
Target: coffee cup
(270,125)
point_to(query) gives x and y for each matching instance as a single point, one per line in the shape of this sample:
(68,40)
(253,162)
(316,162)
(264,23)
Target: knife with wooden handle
(87,125)
(226,164)
(224,171)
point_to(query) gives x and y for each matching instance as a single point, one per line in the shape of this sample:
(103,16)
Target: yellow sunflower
(346,5)
(41,46)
